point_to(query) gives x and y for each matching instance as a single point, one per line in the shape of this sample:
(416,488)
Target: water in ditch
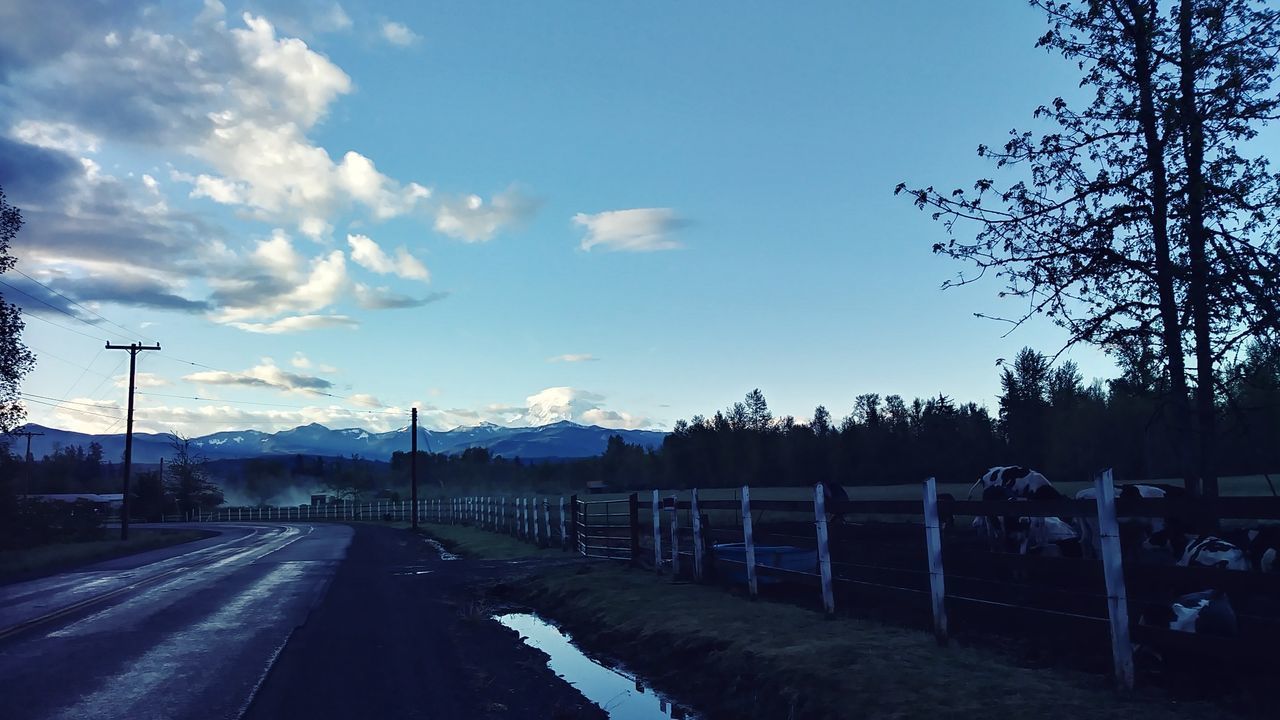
(621,695)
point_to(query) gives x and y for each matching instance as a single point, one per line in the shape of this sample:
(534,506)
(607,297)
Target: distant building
(321,500)
(596,487)
(113,500)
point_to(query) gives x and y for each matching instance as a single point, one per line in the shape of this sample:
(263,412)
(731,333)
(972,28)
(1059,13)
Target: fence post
(675,537)
(573,520)
(633,507)
(1113,572)
(933,542)
(537,527)
(824,551)
(657,533)
(749,542)
(546,519)
(696,518)
(564,539)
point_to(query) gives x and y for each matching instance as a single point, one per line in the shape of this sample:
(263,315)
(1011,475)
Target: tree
(821,422)
(758,415)
(1136,223)
(15,359)
(187,480)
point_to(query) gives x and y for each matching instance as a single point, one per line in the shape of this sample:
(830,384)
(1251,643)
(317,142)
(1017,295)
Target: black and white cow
(1013,532)
(1261,545)
(1213,551)
(1208,612)
(1020,482)
(1137,534)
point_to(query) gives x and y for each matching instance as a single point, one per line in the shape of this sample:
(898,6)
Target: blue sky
(621,213)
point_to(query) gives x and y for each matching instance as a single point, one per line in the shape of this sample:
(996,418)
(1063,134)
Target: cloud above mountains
(230,105)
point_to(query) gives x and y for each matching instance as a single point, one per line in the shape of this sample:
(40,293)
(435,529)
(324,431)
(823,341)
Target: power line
(74,410)
(50,305)
(248,377)
(65,402)
(82,307)
(46,353)
(30,314)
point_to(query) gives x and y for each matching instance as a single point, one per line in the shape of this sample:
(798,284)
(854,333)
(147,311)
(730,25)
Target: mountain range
(558,440)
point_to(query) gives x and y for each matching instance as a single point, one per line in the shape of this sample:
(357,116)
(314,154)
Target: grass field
(60,556)
(733,657)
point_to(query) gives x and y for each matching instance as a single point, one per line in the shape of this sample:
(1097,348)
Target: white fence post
(697,535)
(546,520)
(749,542)
(675,537)
(657,533)
(824,551)
(537,526)
(1113,572)
(933,542)
(564,535)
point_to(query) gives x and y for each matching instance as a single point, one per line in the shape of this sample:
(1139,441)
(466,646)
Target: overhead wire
(64,311)
(99,315)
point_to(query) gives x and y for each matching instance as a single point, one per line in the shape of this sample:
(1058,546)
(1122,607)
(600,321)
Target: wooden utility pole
(413,466)
(134,349)
(28,435)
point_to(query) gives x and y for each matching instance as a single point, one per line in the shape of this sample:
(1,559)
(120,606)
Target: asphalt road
(272,620)
(181,632)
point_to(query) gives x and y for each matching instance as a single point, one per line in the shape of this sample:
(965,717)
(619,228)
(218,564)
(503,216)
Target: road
(182,632)
(271,620)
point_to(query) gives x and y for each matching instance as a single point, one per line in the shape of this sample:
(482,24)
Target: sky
(619,214)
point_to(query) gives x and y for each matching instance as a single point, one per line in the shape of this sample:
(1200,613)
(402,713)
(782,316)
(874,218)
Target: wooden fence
(900,555)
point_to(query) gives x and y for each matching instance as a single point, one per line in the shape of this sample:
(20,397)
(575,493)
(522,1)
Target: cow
(1213,551)
(1012,532)
(1136,533)
(1260,544)
(1019,481)
(1208,612)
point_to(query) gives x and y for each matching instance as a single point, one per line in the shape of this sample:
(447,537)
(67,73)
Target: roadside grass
(42,559)
(738,658)
(476,543)
(733,657)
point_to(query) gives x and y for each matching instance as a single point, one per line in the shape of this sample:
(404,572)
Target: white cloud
(615,419)
(297,324)
(472,220)
(398,34)
(274,279)
(367,254)
(142,380)
(266,375)
(573,358)
(56,135)
(300,361)
(364,400)
(637,230)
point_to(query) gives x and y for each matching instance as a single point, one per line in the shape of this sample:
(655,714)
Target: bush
(27,522)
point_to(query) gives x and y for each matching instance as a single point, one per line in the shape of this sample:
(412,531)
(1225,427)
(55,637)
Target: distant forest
(1047,418)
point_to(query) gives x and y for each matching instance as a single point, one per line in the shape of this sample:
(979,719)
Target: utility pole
(134,349)
(413,467)
(28,435)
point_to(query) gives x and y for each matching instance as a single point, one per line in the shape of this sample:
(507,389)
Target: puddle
(414,572)
(444,554)
(622,696)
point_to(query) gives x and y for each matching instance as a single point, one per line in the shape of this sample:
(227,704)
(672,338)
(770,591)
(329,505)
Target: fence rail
(898,555)
(898,561)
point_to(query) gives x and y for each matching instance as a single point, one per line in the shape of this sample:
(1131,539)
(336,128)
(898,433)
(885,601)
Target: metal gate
(608,528)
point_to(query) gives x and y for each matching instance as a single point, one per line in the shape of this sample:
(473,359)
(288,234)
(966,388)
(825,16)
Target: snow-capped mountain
(557,440)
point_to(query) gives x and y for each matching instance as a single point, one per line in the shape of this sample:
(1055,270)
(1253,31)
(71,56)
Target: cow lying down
(1207,612)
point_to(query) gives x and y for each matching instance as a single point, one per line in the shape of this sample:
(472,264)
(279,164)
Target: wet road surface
(182,632)
(273,620)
